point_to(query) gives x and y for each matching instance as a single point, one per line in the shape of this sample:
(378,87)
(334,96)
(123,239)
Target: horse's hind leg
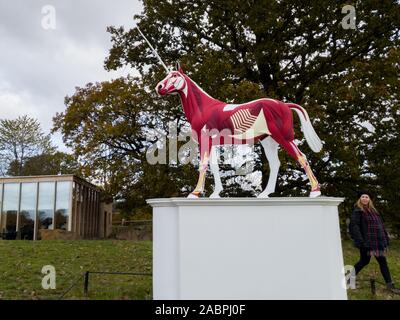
(271,152)
(295,153)
(302,160)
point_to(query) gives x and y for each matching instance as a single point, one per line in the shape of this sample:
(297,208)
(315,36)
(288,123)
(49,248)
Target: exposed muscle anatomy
(267,120)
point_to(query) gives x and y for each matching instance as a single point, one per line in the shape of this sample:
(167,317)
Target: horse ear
(178,67)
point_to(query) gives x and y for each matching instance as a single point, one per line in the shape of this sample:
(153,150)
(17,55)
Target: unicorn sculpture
(266,120)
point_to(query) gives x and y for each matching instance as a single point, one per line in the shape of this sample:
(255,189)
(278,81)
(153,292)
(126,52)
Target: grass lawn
(363,287)
(22,262)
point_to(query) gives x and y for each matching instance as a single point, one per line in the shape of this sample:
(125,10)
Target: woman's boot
(392,288)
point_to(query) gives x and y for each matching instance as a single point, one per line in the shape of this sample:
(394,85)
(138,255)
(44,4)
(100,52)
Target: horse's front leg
(215,171)
(204,158)
(271,152)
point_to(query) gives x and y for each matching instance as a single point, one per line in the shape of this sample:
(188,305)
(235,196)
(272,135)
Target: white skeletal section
(215,171)
(271,148)
(250,126)
(230,107)
(271,152)
(180,84)
(243,120)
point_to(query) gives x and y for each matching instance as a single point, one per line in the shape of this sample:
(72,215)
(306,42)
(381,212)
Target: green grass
(363,287)
(22,261)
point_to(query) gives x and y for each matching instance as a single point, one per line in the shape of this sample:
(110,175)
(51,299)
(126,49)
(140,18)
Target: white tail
(309,133)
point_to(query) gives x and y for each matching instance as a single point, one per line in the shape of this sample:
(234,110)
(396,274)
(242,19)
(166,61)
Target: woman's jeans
(365,259)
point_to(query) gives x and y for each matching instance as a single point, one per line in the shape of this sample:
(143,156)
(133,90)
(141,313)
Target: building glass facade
(10,209)
(46,205)
(27,213)
(63,210)
(29,205)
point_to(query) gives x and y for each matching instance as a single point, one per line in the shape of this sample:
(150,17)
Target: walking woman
(370,237)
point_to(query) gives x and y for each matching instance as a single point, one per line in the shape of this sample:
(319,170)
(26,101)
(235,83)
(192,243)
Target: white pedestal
(247,248)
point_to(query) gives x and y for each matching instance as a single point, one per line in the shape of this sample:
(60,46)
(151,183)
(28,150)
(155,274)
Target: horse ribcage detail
(242,120)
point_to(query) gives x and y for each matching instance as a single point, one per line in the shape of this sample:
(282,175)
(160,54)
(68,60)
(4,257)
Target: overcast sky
(40,65)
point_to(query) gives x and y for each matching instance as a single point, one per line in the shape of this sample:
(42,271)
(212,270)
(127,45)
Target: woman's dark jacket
(359,229)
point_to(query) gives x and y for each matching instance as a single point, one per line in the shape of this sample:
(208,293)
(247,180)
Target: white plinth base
(247,248)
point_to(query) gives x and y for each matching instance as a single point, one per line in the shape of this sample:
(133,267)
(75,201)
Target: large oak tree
(237,50)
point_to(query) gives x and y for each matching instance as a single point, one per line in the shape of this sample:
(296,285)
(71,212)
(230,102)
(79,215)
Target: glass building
(66,202)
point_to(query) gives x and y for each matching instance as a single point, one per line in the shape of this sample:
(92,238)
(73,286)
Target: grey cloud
(40,67)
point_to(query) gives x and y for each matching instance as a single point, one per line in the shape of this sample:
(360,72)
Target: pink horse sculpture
(267,120)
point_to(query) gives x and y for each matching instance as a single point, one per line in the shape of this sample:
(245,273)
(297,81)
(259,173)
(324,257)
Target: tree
(291,50)
(21,139)
(109,127)
(46,164)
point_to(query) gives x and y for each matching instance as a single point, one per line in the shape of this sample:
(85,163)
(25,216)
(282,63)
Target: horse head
(172,83)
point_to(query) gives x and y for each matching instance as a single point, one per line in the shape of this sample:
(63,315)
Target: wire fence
(74,283)
(85,277)
(124,222)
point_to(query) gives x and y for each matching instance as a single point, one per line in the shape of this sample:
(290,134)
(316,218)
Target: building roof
(43,178)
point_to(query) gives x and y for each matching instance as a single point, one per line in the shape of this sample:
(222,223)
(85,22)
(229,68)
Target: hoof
(314,194)
(215,194)
(263,195)
(193,195)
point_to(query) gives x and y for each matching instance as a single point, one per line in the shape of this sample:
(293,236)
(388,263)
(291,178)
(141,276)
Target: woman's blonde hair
(370,204)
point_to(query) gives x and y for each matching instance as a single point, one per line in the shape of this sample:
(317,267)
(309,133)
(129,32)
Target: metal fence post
(373,286)
(86,284)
